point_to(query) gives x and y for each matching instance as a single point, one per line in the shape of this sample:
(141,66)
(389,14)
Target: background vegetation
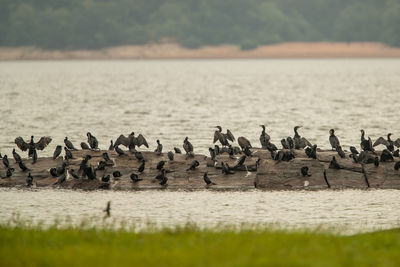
(93,24)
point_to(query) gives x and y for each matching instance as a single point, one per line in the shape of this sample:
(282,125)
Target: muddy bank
(175,51)
(268,174)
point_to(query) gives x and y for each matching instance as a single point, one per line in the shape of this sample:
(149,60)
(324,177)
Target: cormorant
(162,177)
(83,146)
(217,150)
(333,139)
(61,179)
(92,140)
(187,146)
(334,164)
(29,180)
(53,172)
(240,162)
(396,153)
(386,156)
(376,161)
(311,152)
(353,150)
(177,150)
(236,150)
(340,151)
(264,137)
(226,169)
(304,171)
(135,178)
(22,166)
(159,148)
(207,179)
(131,141)
(101,166)
(9,172)
(83,165)
(164,180)
(105,179)
(243,142)
(116,174)
(61,170)
(141,167)
(106,158)
(397,166)
(43,142)
(57,152)
(290,142)
(90,173)
(212,153)
(366,145)
(107,210)
(16,156)
(271,147)
(160,164)
(223,138)
(170,155)
(5,161)
(247,151)
(69,144)
(119,151)
(388,143)
(68,153)
(111,147)
(285,144)
(73,174)
(299,142)
(139,155)
(193,166)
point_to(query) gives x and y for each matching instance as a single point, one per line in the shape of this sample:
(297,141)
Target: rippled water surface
(169,100)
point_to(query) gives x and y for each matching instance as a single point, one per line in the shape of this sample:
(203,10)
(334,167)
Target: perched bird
(57,152)
(240,162)
(340,151)
(119,151)
(135,178)
(106,157)
(107,210)
(284,156)
(334,164)
(22,166)
(68,153)
(366,144)
(271,147)
(353,150)
(212,153)
(111,147)
(397,166)
(376,161)
(131,141)
(31,146)
(264,137)
(223,138)
(193,165)
(84,146)
(311,152)
(299,142)
(160,164)
(164,180)
(34,157)
(9,172)
(83,164)
(61,179)
(207,179)
(92,140)
(304,171)
(247,151)
(117,174)
(159,148)
(333,139)
(53,172)
(243,142)
(388,143)
(90,173)
(16,156)
(290,142)
(226,169)
(177,150)
(187,146)
(69,144)
(101,166)
(217,150)
(160,175)
(61,170)
(139,156)
(386,156)
(29,180)
(73,174)
(105,179)
(396,153)
(141,167)
(285,144)
(5,161)
(170,155)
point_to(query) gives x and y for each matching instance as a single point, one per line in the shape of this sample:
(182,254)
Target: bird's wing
(306,142)
(122,140)
(397,142)
(216,136)
(140,140)
(243,142)
(43,142)
(21,143)
(230,135)
(190,146)
(381,141)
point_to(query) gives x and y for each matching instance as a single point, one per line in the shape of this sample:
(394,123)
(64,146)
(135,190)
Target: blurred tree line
(92,24)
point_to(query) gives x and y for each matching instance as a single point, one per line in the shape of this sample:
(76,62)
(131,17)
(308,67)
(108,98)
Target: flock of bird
(286,153)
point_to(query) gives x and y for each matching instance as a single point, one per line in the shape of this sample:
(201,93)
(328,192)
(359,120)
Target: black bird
(217,150)
(353,150)
(388,143)
(284,156)
(299,142)
(386,156)
(57,152)
(34,157)
(226,169)
(61,179)
(223,138)
(366,144)
(73,174)
(285,144)
(247,151)
(61,169)
(396,153)
(264,137)
(29,180)
(164,179)
(160,164)
(304,171)
(102,165)
(83,164)
(177,150)
(5,161)
(207,179)
(135,178)
(397,166)
(160,175)
(68,153)
(240,162)
(311,152)
(90,173)
(105,179)
(159,148)
(31,146)
(111,147)
(92,140)
(107,210)
(106,157)
(84,146)
(170,155)
(69,144)
(131,141)
(16,156)
(271,147)
(243,142)
(119,151)
(53,172)
(187,146)
(117,174)
(9,172)
(290,142)
(334,164)
(340,151)
(141,167)
(22,166)
(193,166)
(139,155)
(212,153)
(376,161)
(333,139)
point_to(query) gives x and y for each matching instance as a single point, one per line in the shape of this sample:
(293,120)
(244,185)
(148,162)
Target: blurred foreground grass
(190,246)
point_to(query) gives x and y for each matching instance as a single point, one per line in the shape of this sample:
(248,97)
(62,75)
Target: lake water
(169,100)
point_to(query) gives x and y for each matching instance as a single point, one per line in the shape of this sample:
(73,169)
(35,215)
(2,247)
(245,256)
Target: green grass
(190,246)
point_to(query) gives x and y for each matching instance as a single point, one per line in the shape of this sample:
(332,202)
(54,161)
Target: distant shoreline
(175,51)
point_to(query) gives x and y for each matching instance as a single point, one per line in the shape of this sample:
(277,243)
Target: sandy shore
(174,51)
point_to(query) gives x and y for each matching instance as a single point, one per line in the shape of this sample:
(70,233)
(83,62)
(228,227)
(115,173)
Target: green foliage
(93,24)
(189,246)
